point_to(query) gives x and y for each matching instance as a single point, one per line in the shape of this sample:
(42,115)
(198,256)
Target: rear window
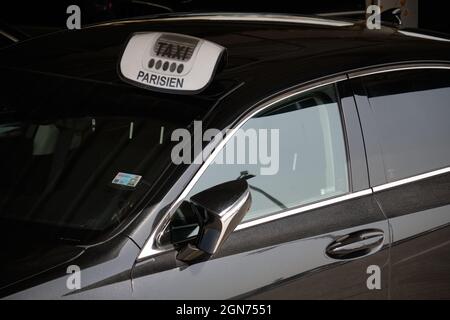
(412,113)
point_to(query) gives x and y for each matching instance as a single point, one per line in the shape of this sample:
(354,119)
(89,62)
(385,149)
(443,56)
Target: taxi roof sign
(170,62)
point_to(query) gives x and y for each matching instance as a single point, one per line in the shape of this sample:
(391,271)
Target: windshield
(60,173)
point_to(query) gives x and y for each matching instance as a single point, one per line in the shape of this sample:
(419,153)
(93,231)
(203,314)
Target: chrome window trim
(7,35)
(244,17)
(316,205)
(262,18)
(342,13)
(397,67)
(416,178)
(241,122)
(422,36)
(149,248)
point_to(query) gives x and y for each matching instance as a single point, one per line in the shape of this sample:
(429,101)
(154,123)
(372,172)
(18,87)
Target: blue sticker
(126,179)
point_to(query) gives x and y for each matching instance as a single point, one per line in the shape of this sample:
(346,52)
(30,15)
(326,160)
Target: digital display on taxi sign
(175,47)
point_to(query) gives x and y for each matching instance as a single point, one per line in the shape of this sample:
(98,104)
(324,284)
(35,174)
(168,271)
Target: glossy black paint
(275,260)
(292,247)
(355,143)
(264,60)
(304,225)
(105,272)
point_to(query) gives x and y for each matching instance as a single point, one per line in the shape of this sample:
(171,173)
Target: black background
(36,17)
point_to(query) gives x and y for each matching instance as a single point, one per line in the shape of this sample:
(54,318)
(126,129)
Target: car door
(313,229)
(405,117)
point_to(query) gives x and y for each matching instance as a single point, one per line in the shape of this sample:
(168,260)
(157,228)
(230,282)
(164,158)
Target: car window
(291,155)
(412,113)
(62,174)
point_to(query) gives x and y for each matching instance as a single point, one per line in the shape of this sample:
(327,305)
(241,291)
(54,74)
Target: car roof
(267,52)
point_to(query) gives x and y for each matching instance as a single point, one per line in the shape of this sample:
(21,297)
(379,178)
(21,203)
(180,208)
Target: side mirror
(392,16)
(222,208)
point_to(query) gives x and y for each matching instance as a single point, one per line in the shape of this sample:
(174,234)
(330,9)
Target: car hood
(21,260)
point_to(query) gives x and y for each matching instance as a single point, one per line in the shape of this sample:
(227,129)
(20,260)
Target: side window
(412,114)
(291,155)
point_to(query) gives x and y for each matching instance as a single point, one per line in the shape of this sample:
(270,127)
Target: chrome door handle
(355,245)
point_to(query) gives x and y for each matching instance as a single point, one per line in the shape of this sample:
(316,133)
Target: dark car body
(281,255)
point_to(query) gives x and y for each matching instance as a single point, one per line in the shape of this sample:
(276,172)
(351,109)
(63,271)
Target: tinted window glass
(294,155)
(57,174)
(412,113)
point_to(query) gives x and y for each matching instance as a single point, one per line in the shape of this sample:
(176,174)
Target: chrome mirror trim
(223,207)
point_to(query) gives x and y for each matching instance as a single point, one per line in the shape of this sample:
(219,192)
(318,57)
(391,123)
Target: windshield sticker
(126,179)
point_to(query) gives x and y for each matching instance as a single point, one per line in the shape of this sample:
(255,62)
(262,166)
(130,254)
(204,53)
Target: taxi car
(113,187)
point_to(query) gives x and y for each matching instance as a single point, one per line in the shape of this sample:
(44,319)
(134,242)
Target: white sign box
(170,62)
